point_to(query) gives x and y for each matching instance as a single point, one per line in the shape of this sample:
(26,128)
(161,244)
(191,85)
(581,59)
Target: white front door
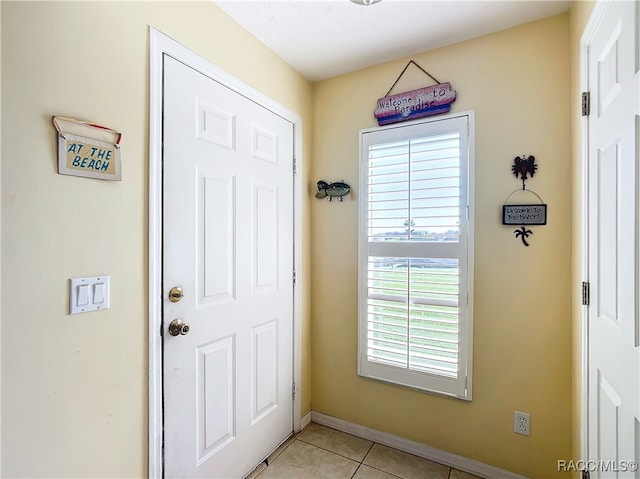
(613,332)
(228,244)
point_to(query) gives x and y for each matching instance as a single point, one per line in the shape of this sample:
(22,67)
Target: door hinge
(295,165)
(586,474)
(293,391)
(294,277)
(586,293)
(586,103)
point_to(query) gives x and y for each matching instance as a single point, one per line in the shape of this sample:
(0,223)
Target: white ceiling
(325,38)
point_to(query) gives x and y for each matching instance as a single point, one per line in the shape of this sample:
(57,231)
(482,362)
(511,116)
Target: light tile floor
(320,452)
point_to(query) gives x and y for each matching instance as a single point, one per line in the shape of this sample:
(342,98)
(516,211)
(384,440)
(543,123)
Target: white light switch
(83,295)
(98,293)
(88,294)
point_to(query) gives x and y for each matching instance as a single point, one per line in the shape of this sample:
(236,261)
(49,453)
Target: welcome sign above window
(431,100)
(410,105)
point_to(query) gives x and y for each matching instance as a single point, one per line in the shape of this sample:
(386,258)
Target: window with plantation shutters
(415,259)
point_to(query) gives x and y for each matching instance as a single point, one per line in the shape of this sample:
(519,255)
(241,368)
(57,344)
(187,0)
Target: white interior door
(614,355)
(228,243)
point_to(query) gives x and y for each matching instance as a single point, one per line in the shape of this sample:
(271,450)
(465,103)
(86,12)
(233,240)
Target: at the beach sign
(431,100)
(88,149)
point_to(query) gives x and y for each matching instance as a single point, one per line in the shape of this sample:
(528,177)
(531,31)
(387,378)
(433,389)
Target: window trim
(460,388)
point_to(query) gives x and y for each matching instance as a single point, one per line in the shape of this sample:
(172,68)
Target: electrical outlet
(521,423)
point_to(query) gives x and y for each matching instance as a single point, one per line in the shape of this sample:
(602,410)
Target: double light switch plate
(88,294)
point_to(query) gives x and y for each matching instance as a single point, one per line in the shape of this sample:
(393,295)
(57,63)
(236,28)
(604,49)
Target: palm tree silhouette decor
(523,165)
(523,233)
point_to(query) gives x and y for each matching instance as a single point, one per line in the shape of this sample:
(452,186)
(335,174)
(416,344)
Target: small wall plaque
(86,149)
(524,214)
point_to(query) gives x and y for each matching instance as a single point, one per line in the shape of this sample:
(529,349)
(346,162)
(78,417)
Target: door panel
(614,357)
(216,252)
(264,238)
(264,377)
(228,243)
(215,396)
(608,233)
(608,410)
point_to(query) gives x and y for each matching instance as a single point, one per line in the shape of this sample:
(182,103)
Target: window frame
(460,387)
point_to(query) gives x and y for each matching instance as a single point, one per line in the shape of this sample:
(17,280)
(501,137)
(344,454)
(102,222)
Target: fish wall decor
(337,189)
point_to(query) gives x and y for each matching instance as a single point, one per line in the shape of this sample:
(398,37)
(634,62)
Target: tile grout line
(365,456)
(382,470)
(373,467)
(299,438)
(291,439)
(328,450)
(362,461)
(449,472)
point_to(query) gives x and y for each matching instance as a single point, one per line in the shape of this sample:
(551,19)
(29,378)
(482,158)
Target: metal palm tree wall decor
(523,166)
(523,233)
(524,214)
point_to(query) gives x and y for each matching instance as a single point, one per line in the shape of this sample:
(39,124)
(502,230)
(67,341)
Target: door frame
(587,36)
(159,45)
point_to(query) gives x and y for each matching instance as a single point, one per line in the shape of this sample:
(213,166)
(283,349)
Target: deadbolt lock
(176,294)
(178,328)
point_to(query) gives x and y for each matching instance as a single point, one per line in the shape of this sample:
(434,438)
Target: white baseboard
(417,449)
(305,421)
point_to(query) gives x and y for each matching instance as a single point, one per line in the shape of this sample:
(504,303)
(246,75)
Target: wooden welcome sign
(431,100)
(427,101)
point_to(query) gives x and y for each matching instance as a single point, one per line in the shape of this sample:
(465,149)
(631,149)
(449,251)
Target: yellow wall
(579,16)
(518,83)
(74,387)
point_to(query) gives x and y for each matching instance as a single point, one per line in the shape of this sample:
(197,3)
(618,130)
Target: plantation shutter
(414,262)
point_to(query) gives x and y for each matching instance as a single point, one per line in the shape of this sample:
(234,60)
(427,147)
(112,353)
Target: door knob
(178,328)
(176,294)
